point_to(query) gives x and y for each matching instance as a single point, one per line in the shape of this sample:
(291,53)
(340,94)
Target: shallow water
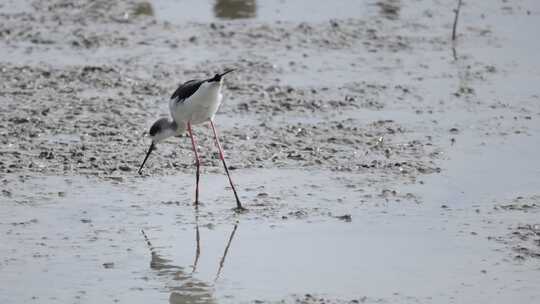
(87,243)
(176,11)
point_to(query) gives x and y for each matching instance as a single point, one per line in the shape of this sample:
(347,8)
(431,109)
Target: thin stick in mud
(456,11)
(147,241)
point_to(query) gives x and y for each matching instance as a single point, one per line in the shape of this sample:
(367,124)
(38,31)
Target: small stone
(454,130)
(346,218)
(19,120)
(124,168)
(519,258)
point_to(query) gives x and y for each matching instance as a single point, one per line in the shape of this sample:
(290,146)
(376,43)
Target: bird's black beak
(226,72)
(146,157)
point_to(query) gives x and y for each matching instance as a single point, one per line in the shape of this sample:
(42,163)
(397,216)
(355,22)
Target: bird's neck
(173,126)
(212,86)
(177,129)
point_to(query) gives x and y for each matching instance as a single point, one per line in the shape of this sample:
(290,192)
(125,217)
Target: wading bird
(194,102)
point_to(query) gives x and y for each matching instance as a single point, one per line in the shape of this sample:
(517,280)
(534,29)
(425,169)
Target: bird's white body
(199,107)
(193,102)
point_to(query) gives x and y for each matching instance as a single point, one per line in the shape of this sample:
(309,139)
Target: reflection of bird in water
(184,298)
(197,242)
(186,288)
(235,9)
(190,289)
(224,256)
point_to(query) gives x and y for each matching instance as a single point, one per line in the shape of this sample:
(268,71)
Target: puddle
(15,7)
(480,174)
(64,138)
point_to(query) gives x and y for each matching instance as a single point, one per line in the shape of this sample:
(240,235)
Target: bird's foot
(240,209)
(197,203)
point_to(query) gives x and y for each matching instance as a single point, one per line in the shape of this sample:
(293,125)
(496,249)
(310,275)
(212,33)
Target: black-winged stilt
(194,102)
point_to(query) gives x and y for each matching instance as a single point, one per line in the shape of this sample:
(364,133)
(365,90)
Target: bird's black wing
(186,89)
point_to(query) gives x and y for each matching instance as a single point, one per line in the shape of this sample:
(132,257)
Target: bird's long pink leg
(197,162)
(238,204)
